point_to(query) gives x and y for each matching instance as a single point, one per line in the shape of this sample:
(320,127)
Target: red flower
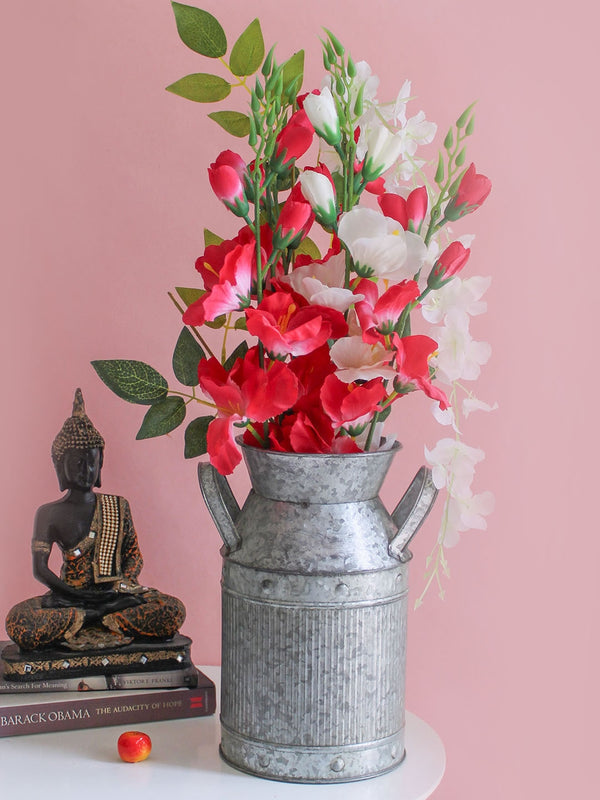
(247,393)
(287,325)
(412,364)
(375,187)
(306,431)
(226,176)
(379,316)
(295,219)
(211,262)
(351,405)
(311,371)
(412,209)
(295,138)
(472,191)
(452,260)
(233,291)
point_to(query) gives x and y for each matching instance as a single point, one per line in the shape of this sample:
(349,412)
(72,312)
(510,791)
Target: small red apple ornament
(134,746)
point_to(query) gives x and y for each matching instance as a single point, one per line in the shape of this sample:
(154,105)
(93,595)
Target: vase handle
(411,511)
(221,503)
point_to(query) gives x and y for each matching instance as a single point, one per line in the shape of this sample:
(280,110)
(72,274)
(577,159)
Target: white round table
(185,763)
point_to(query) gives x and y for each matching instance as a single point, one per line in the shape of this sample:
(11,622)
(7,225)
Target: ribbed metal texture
(313,676)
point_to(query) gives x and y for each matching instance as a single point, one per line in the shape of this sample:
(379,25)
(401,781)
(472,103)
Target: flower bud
(318,189)
(226,176)
(472,191)
(322,112)
(451,261)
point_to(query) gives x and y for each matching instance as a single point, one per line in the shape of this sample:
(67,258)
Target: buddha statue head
(78,449)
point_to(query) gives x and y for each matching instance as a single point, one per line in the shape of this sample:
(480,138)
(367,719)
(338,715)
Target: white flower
(453,465)
(416,131)
(383,149)
(322,112)
(470,404)
(379,245)
(396,112)
(323,284)
(444,416)
(357,360)
(458,295)
(466,513)
(459,356)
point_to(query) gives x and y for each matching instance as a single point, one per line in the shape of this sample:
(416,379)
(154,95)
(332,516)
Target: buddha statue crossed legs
(96,602)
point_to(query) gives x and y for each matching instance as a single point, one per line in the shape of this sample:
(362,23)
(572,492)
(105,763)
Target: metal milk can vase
(314,593)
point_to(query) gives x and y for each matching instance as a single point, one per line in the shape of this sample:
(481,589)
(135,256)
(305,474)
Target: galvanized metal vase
(314,614)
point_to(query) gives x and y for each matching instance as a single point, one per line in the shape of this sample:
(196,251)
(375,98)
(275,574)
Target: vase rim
(284,453)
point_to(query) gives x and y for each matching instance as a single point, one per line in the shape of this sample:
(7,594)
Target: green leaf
(293,68)
(248,52)
(460,158)
(201,88)
(449,140)
(162,418)
(211,238)
(186,357)
(308,248)
(217,323)
(240,324)
(189,296)
(200,31)
(470,126)
(234,122)
(133,381)
(239,352)
(195,437)
(383,415)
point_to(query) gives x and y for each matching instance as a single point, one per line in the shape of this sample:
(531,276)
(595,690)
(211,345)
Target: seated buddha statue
(96,602)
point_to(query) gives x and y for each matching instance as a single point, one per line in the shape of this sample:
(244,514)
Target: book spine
(174,679)
(95,712)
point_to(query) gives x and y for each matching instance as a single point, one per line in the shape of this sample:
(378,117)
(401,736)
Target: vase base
(319,765)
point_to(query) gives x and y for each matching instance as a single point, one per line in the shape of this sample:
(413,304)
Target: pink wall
(104,197)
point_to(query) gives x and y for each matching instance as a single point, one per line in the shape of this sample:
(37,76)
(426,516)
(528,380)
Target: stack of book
(94,701)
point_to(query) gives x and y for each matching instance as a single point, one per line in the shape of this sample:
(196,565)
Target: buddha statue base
(58,661)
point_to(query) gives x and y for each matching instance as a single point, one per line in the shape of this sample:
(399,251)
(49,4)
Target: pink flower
(379,316)
(412,209)
(351,405)
(226,176)
(472,191)
(451,261)
(412,364)
(287,325)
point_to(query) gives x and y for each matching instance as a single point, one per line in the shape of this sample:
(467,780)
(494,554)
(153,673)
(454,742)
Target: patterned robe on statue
(109,555)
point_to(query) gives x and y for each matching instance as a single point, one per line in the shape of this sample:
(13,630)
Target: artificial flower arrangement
(331,337)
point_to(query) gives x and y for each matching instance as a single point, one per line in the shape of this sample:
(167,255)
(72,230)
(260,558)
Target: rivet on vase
(337,765)
(264,761)
(267,586)
(342,590)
